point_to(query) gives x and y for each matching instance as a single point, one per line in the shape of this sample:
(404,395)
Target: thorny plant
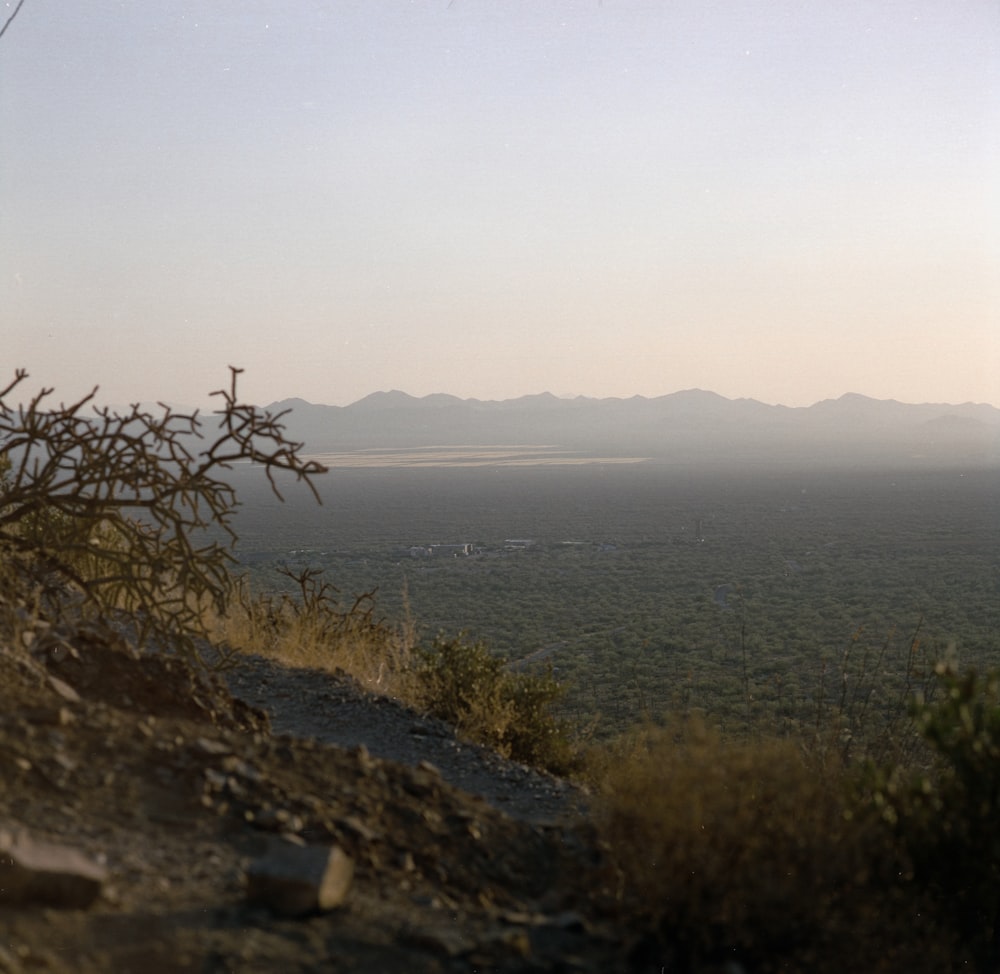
(130,512)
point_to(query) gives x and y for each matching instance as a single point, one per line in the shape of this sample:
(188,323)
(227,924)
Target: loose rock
(298,880)
(34,873)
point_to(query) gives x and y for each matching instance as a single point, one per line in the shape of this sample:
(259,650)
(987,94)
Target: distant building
(441,550)
(452,550)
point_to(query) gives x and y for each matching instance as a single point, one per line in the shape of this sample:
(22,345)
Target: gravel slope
(334,709)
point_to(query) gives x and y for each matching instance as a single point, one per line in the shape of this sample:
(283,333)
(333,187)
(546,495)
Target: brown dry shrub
(130,514)
(735,851)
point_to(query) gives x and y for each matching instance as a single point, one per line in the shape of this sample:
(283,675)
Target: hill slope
(174,789)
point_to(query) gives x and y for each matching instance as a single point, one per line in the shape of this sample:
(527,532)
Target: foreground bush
(948,819)
(463,683)
(740,852)
(128,514)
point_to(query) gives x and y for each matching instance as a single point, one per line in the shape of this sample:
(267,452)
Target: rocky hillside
(152,822)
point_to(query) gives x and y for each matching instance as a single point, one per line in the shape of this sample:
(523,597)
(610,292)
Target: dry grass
(740,852)
(315,631)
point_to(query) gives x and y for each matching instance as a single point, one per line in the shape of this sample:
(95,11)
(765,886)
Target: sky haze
(785,201)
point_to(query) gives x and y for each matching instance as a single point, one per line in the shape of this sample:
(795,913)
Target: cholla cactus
(130,511)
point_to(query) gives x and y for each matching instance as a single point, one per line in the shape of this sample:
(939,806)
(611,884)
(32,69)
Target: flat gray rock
(34,873)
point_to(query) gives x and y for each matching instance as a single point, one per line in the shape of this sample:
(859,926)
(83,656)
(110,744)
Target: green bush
(463,683)
(948,818)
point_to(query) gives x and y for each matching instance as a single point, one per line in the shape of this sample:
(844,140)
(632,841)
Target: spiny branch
(9,20)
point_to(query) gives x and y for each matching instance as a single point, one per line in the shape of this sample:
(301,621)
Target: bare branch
(130,509)
(7,22)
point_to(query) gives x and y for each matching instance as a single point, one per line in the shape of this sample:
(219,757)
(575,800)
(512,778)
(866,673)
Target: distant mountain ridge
(687,425)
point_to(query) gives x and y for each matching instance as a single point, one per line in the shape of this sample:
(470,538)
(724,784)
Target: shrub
(947,818)
(128,512)
(463,683)
(740,852)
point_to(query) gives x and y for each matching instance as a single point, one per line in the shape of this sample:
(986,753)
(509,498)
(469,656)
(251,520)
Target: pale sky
(780,199)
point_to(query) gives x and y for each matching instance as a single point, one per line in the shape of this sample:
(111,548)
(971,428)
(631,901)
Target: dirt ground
(462,861)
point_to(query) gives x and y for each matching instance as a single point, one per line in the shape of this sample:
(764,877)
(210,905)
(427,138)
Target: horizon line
(546,394)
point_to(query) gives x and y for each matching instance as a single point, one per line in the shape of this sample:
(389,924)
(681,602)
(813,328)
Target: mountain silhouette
(692,424)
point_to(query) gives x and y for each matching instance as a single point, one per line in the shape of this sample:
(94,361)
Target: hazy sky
(783,199)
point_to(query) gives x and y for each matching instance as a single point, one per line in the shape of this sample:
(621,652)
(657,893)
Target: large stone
(34,873)
(298,880)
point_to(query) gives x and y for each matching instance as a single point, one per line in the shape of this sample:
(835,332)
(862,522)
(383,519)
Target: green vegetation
(637,617)
(463,683)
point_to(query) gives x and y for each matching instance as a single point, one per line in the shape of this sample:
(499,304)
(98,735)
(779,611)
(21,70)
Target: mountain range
(685,425)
